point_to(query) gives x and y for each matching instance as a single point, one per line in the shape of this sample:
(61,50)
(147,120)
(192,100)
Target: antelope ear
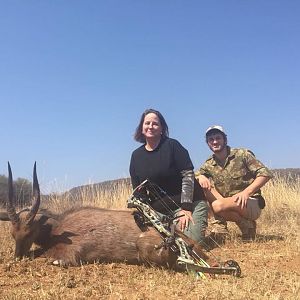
(4,216)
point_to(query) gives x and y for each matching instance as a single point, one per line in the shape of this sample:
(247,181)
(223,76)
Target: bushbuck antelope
(82,235)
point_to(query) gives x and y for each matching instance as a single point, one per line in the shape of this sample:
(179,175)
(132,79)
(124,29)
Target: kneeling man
(232,179)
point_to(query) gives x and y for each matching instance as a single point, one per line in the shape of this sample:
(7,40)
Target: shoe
(217,232)
(248,230)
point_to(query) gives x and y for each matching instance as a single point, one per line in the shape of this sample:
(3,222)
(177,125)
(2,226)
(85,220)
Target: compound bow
(189,255)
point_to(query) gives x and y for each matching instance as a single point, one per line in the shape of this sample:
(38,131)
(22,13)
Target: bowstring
(157,192)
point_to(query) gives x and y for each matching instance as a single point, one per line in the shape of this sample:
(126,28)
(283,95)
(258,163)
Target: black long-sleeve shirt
(163,166)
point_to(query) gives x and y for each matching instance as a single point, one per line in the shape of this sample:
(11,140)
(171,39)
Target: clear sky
(75,76)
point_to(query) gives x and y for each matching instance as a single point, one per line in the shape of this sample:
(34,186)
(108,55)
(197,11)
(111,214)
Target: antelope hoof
(58,262)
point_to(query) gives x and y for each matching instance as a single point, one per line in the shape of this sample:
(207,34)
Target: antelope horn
(36,198)
(11,211)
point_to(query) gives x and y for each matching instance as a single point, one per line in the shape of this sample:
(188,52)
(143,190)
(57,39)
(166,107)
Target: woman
(165,162)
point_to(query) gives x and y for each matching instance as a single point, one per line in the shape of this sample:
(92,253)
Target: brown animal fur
(83,235)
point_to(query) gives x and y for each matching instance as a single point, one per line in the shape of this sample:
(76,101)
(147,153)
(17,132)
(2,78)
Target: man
(232,179)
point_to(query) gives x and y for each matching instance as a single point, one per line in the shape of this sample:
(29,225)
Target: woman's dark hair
(138,135)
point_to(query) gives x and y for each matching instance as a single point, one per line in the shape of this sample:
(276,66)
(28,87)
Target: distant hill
(290,172)
(105,185)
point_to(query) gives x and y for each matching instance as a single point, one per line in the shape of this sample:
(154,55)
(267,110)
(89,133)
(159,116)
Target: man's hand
(241,199)
(183,221)
(204,182)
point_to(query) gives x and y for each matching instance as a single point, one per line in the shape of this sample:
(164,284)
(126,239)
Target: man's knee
(218,206)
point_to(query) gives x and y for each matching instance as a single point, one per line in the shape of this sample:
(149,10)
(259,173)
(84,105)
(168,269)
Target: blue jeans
(196,231)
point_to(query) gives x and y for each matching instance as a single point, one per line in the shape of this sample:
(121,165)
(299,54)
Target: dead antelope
(82,235)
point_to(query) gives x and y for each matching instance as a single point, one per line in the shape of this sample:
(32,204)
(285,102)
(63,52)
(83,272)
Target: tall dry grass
(270,266)
(113,195)
(282,212)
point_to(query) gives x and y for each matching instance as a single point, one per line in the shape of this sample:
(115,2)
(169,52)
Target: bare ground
(270,270)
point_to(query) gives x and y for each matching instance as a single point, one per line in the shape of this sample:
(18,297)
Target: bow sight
(190,254)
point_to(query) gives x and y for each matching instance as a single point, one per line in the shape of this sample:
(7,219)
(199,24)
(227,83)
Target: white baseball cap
(216,127)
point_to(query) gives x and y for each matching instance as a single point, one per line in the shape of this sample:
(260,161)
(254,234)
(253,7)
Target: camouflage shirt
(239,171)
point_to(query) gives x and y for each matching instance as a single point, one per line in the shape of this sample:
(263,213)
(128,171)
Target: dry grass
(270,266)
(113,196)
(283,197)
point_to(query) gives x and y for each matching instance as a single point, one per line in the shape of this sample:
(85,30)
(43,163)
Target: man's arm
(203,175)
(262,176)
(257,184)
(204,182)
(212,194)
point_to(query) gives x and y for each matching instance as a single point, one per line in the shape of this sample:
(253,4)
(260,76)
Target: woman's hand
(183,221)
(204,182)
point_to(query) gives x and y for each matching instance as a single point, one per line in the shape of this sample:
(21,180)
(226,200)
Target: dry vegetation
(270,266)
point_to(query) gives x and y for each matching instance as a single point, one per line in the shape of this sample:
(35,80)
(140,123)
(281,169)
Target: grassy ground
(270,265)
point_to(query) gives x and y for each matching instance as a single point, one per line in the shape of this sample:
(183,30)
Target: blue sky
(75,77)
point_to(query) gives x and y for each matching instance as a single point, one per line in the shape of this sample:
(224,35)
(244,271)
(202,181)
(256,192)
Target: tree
(22,188)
